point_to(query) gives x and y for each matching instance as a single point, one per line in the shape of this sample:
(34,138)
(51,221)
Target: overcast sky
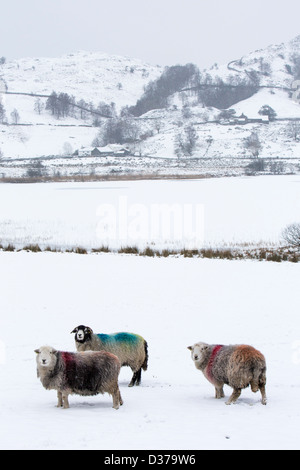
(164,32)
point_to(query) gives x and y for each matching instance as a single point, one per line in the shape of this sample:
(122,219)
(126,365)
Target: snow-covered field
(172,302)
(213,212)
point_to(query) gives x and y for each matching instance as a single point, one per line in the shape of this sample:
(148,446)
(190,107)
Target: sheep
(236,365)
(84,373)
(130,348)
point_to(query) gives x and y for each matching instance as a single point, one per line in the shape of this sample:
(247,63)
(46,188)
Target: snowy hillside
(274,64)
(97,77)
(90,76)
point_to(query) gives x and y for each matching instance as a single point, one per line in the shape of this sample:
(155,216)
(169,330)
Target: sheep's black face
(82,333)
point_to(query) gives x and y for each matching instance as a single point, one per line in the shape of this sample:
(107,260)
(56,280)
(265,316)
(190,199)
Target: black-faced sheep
(130,348)
(87,373)
(237,366)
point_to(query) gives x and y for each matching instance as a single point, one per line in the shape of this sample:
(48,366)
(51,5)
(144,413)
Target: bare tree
(185,143)
(253,144)
(291,234)
(293,130)
(15,116)
(38,105)
(264,67)
(158,124)
(2,112)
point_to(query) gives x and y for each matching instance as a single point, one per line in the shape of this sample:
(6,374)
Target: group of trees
(295,69)
(117,130)
(207,90)
(157,92)
(62,105)
(219,94)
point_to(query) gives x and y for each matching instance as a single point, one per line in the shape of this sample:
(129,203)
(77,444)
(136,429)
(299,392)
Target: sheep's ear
(75,330)
(90,330)
(190,348)
(37,351)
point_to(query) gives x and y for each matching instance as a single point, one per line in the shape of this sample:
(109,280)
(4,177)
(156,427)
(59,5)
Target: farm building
(109,150)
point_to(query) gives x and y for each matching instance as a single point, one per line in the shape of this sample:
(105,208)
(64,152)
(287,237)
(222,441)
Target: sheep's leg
(59,400)
(235,395)
(219,392)
(133,380)
(138,376)
(120,399)
(116,398)
(65,401)
(263,394)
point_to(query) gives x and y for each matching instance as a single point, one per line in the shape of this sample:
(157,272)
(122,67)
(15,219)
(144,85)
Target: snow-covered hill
(98,77)
(90,76)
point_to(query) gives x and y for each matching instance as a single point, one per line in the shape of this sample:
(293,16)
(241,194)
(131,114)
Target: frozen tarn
(89,215)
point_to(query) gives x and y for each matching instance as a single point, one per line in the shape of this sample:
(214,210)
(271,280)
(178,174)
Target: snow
(40,140)
(96,76)
(92,76)
(231,210)
(276,99)
(172,302)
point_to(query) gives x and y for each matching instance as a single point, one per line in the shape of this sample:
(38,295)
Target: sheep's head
(198,352)
(82,333)
(46,356)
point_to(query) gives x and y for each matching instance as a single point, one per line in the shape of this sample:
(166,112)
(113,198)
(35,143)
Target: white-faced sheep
(237,366)
(87,373)
(130,348)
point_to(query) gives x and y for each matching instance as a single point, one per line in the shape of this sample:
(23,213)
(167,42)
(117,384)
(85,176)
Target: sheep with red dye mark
(86,373)
(236,365)
(130,348)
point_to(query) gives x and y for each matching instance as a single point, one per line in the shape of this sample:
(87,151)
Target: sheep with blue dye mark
(85,373)
(237,366)
(130,348)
